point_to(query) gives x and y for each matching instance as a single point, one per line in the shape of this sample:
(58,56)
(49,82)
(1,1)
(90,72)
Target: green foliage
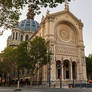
(22,56)
(39,53)
(8,64)
(15,58)
(10,9)
(89,65)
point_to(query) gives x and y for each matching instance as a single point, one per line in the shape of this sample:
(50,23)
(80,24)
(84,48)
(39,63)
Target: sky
(82,9)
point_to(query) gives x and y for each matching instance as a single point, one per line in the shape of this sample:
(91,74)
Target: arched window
(13,35)
(58,67)
(16,35)
(21,38)
(66,69)
(74,70)
(26,37)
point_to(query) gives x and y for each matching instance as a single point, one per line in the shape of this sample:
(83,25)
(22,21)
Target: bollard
(70,86)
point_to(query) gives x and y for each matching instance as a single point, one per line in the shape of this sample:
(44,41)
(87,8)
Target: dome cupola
(29,24)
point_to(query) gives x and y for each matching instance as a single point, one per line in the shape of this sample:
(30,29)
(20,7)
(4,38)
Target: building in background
(90,56)
(25,29)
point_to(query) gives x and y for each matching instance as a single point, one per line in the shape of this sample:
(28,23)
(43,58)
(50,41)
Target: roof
(28,25)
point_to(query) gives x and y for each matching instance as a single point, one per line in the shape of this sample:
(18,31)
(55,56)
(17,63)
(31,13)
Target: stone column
(71,74)
(53,65)
(78,71)
(85,74)
(14,35)
(53,72)
(62,73)
(44,73)
(19,37)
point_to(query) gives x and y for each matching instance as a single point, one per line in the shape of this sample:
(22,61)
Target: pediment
(62,13)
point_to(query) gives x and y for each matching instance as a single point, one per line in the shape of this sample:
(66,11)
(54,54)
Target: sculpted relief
(65,33)
(66,50)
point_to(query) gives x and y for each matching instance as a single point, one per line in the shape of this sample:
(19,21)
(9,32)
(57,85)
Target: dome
(28,25)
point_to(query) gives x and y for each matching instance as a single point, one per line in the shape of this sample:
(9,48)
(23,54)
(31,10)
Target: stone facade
(64,31)
(18,36)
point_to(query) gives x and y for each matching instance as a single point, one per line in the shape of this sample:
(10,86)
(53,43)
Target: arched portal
(74,70)
(66,69)
(58,69)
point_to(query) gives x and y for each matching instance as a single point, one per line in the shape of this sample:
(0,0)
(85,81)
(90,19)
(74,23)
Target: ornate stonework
(64,31)
(66,41)
(66,50)
(65,35)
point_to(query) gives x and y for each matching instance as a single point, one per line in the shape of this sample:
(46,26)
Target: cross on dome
(30,14)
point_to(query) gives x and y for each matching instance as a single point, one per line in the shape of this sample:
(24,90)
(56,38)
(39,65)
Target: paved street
(6,90)
(47,90)
(67,90)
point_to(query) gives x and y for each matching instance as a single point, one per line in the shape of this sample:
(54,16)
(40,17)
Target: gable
(65,14)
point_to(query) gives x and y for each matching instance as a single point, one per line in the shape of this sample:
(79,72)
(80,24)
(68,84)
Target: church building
(65,33)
